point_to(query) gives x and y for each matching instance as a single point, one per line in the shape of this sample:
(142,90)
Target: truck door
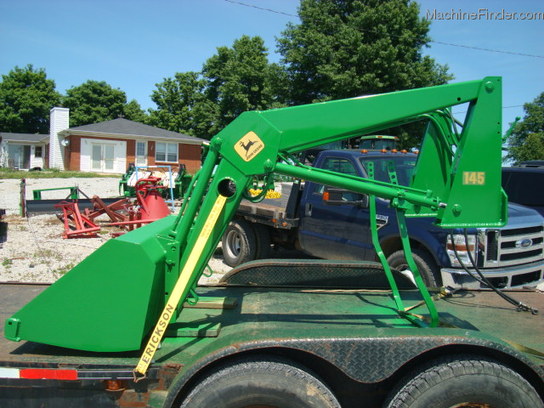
(339,231)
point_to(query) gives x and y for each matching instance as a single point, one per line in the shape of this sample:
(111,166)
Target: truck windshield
(404,167)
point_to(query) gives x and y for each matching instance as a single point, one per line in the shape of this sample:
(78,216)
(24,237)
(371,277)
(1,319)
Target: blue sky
(134,44)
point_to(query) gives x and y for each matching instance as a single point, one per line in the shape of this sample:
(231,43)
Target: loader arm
(446,177)
(133,286)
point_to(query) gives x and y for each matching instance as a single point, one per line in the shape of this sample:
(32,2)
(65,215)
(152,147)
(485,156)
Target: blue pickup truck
(525,184)
(304,219)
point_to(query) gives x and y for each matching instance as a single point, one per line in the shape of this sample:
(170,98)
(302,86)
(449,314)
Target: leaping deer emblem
(247,145)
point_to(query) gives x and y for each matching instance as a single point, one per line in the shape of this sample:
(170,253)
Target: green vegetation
(344,49)
(94,101)
(526,142)
(52,173)
(64,269)
(235,80)
(26,97)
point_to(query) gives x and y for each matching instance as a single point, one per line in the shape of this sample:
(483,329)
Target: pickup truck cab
(524,185)
(511,256)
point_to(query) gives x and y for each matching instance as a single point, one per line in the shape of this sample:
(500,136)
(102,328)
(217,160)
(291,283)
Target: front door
(19,156)
(102,157)
(141,153)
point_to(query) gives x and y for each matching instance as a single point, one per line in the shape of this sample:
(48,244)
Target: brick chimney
(60,118)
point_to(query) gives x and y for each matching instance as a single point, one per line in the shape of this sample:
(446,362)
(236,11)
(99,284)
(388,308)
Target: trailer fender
(369,360)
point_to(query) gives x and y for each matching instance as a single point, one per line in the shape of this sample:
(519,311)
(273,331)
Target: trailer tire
(464,381)
(239,243)
(266,383)
(426,265)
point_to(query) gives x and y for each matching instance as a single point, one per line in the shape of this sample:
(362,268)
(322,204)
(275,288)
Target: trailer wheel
(267,383)
(239,243)
(467,382)
(426,265)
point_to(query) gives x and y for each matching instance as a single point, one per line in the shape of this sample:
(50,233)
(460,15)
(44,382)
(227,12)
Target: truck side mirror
(339,196)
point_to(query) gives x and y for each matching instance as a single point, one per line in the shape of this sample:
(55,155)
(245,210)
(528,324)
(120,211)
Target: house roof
(125,127)
(24,137)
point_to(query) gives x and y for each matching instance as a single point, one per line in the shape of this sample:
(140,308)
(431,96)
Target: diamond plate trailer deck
(353,339)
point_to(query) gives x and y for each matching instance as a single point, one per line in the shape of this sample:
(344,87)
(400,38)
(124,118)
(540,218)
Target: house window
(38,151)
(166,152)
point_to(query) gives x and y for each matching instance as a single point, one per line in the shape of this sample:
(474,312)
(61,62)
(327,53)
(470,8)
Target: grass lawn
(50,173)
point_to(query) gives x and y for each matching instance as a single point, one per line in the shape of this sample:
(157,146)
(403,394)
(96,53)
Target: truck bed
(271,211)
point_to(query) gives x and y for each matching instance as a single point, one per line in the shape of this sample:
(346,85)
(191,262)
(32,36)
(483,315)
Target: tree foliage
(239,79)
(234,80)
(26,98)
(181,105)
(133,111)
(346,48)
(94,101)
(526,142)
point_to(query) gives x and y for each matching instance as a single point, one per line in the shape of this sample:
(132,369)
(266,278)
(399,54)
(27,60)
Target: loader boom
(150,273)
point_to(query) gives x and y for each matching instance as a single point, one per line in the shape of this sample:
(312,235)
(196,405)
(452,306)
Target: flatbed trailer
(310,334)
(352,339)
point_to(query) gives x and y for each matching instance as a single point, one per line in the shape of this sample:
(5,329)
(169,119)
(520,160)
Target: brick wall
(72,153)
(189,155)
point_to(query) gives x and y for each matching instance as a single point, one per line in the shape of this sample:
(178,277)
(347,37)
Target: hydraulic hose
(484,281)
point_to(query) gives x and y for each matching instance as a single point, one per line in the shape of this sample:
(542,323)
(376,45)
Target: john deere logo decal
(249,146)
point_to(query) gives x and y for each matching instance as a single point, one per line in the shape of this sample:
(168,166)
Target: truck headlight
(462,246)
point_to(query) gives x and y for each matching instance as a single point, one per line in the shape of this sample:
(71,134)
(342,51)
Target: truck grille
(510,247)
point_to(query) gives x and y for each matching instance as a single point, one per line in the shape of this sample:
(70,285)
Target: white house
(23,150)
(105,147)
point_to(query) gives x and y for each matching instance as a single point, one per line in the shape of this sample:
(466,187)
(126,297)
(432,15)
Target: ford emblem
(524,243)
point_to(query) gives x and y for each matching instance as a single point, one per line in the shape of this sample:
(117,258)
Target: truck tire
(239,243)
(464,381)
(426,265)
(262,235)
(266,383)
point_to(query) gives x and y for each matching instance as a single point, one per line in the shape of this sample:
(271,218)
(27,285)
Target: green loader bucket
(108,302)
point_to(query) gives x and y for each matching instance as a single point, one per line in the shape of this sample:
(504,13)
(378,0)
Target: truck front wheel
(265,383)
(425,264)
(239,243)
(464,381)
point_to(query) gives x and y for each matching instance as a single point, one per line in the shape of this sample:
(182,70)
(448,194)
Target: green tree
(234,80)
(347,48)
(240,79)
(181,104)
(526,142)
(26,98)
(133,111)
(93,102)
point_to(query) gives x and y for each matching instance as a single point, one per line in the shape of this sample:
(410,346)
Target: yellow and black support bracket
(180,290)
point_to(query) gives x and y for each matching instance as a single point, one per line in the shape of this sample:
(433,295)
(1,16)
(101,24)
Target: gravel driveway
(33,249)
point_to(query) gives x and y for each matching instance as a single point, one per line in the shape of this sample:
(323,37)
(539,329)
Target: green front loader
(128,291)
